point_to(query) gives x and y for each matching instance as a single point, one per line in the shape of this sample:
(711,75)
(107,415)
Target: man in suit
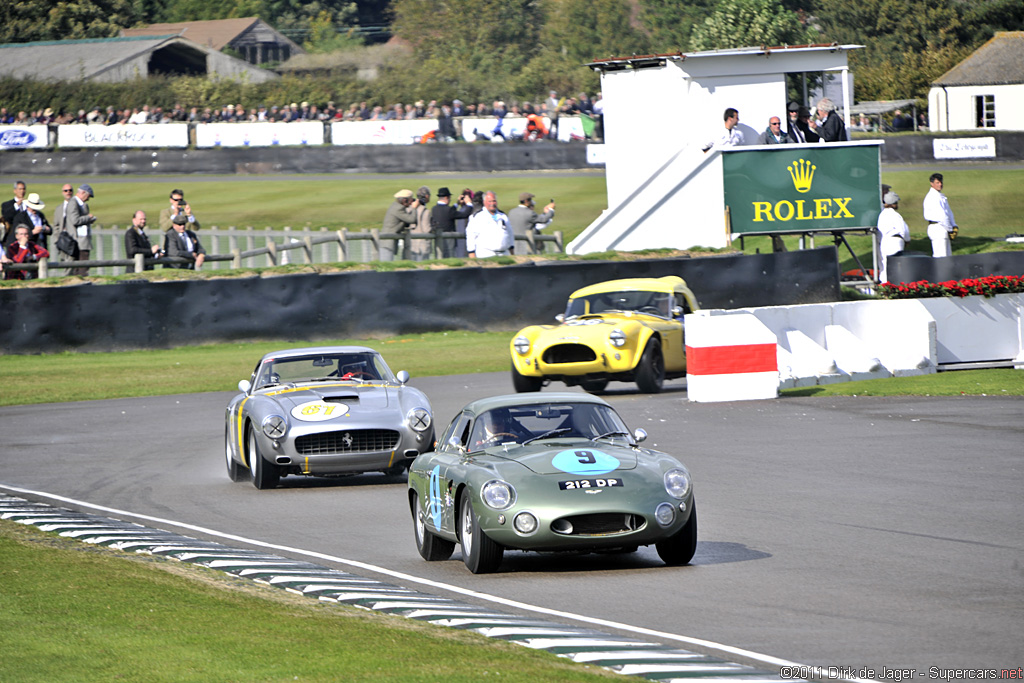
(9,209)
(183,243)
(799,129)
(136,241)
(178,207)
(58,214)
(32,215)
(830,126)
(78,221)
(524,219)
(443,216)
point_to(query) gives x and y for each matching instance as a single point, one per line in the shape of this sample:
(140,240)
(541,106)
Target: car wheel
(594,386)
(432,548)
(650,371)
(679,549)
(235,472)
(265,475)
(481,554)
(524,384)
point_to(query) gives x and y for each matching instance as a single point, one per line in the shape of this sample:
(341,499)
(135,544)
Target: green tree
(324,36)
(31,20)
(670,23)
(744,23)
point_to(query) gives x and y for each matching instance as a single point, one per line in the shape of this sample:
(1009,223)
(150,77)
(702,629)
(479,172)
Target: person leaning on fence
(23,250)
(136,241)
(181,242)
(401,214)
(178,207)
(78,223)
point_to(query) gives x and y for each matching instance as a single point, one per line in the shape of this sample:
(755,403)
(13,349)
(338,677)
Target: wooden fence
(236,248)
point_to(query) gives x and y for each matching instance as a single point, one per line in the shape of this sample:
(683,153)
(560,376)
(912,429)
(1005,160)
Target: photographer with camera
(178,207)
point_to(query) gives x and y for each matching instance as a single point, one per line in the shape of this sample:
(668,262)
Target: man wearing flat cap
(524,220)
(799,129)
(398,219)
(78,222)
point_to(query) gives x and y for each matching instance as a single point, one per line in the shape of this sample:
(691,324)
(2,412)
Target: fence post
(140,262)
(236,258)
(44,269)
(343,244)
(558,242)
(307,241)
(271,251)
(375,238)
(530,241)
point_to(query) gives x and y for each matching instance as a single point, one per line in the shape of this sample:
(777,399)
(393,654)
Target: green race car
(547,472)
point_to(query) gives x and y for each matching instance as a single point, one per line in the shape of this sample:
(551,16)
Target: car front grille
(347,441)
(598,524)
(569,353)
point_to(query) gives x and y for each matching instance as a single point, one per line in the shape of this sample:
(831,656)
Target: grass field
(985,200)
(70,611)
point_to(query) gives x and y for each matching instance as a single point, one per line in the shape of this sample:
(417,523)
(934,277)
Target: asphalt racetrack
(840,532)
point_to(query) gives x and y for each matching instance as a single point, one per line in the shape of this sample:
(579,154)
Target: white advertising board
(22,137)
(381,132)
(123,135)
(964,148)
(512,127)
(264,134)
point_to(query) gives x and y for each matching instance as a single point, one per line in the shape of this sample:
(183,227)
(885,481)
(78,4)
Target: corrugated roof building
(121,59)
(983,92)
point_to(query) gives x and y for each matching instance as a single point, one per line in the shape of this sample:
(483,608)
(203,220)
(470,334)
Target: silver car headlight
(677,482)
(274,426)
(617,338)
(498,495)
(418,419)
(522,345)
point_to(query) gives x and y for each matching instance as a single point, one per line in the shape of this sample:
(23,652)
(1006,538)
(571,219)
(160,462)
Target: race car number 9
(585,462)
(318,411)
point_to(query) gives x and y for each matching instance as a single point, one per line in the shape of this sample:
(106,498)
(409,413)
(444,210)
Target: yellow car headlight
(617,338)
(521,345)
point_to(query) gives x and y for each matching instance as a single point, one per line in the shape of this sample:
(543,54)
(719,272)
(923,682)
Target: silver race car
(324,411)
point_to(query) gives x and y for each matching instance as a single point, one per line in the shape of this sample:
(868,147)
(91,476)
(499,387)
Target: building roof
(63,60)
(1000,61)
(640,61)
(214,34)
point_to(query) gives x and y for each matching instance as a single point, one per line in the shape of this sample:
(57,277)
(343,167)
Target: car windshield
(537,421)
(649,303)
(355,366)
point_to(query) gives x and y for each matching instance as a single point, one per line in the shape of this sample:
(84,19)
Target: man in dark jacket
(444,215)
(830,126)
(136,241)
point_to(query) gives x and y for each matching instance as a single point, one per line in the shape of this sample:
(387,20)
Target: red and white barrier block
(730,358)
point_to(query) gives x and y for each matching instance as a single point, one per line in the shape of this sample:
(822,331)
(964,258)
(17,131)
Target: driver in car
(498,426)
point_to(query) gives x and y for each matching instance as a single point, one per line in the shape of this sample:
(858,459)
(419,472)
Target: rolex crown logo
(802,172)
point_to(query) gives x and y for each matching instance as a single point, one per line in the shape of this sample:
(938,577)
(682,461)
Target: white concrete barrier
(730,358)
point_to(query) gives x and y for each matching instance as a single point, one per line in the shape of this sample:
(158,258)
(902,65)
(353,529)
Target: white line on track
(639,630)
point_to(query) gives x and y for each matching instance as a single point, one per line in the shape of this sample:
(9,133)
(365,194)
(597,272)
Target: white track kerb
(419,603)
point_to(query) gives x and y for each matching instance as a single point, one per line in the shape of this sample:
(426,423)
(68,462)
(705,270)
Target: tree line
(480,50)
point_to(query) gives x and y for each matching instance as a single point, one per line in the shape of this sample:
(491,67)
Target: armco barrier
(301,308)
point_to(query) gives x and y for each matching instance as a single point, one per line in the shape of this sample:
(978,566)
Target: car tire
(235,472)
(650,371)
(481,554)
(265,475)
(431,547)
(680,547)
(594,386)
(524,384)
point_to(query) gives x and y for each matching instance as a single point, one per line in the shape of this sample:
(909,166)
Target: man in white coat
(893,233)
(488,232)
(942,226)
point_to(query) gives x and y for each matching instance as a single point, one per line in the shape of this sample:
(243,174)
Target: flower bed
(984,286)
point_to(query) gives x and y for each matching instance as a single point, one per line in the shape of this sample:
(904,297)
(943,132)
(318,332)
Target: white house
(983,92)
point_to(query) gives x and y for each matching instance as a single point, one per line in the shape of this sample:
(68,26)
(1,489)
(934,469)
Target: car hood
(590,326)
(356,397)
(569,457)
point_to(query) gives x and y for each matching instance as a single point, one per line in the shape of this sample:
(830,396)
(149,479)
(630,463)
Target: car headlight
(617,338)
(522,345)
(274,426)
(498,495)
(418,419)
(677,482)
(525,523)
(665,514)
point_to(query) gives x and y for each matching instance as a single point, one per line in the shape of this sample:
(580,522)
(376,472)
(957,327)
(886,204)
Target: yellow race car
(627,330)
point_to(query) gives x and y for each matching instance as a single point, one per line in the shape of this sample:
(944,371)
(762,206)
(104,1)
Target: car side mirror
(677,311)
(639,435)
(402,376)
(560,317)
(244,386)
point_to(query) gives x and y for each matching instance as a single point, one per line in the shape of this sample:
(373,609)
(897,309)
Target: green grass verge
(74,612)
(64,377)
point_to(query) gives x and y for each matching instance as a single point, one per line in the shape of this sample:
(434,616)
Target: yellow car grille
(568,353)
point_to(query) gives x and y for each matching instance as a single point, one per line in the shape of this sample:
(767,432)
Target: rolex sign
(803,188)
